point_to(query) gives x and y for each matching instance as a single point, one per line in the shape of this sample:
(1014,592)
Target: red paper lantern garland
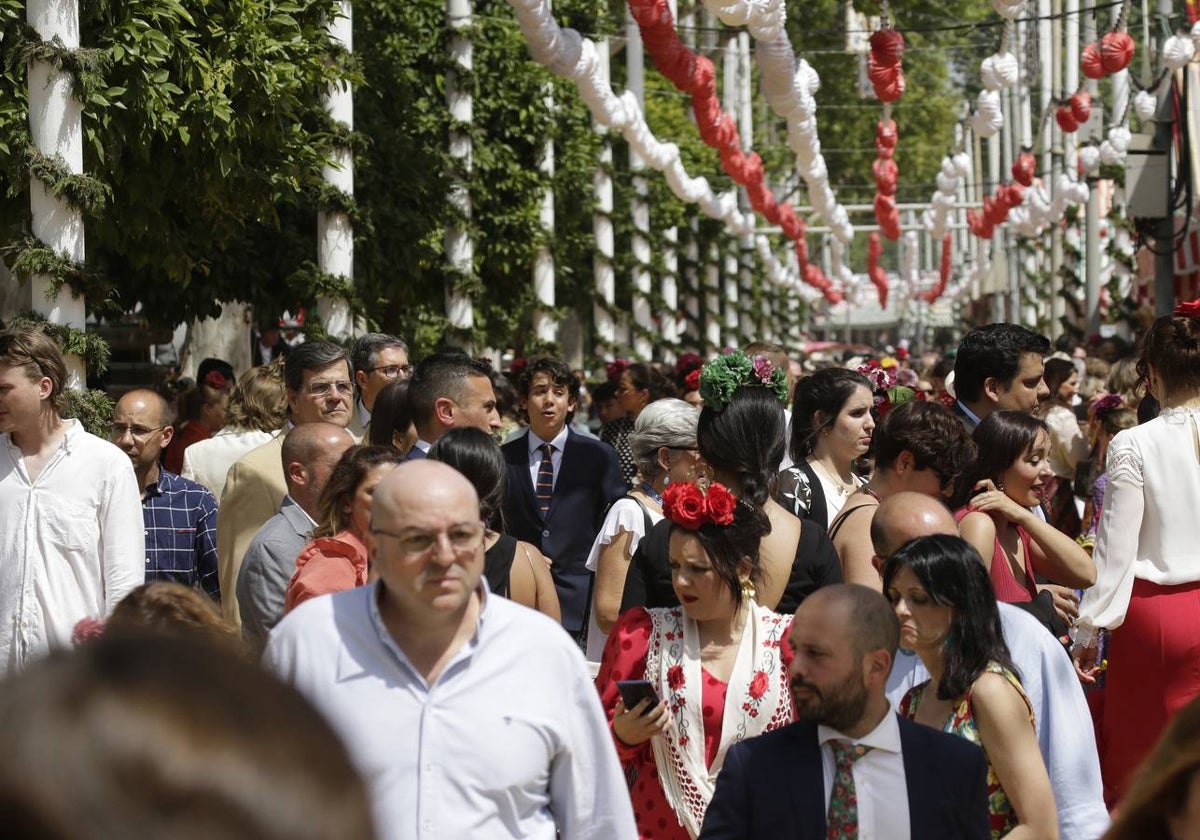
(695,75)
(886,174)
(875,270)
(883,64)
(887,77)
(943,274)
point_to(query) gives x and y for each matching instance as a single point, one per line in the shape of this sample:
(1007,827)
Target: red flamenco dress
(766,704)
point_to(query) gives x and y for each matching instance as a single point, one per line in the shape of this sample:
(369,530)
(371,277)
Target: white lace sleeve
(1105,604)
(1124,463)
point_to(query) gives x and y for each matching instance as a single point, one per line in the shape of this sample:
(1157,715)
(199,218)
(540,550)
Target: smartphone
(635,691)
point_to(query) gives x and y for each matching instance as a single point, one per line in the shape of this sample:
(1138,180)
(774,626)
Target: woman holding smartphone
(718,662)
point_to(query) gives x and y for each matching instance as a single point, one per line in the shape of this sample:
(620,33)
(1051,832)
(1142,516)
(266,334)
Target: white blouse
(1068,446)
(1147,529)
(625,516)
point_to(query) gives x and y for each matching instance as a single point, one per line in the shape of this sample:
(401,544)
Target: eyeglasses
(117,431)
(463,539)
(392,371)
(321,389)
(694,449)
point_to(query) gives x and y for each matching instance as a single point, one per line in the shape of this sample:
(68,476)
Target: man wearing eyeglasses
(469,716)
(319,388)
(377,359)
(180,515)
(71,542)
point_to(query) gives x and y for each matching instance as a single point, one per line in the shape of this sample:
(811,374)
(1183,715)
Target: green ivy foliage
(210,133)
(404,174)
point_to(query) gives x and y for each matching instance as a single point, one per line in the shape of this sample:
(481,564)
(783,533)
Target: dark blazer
(589,480)
(772,786)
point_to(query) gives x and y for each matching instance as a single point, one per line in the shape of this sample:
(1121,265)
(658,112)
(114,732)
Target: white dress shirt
(880,783)
(72,542)
(1146,528)
(535,454)
(1061,719)
(510,740)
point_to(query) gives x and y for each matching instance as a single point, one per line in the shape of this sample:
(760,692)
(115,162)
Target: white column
(712,299)
(640,210)
(335,233)
(602,229)
(460,249)
(56,126)
(670,317)
(732,295)
(691,293)
(545,326)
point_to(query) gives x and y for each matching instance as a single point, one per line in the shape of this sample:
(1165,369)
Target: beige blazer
(208,461)
(254,490)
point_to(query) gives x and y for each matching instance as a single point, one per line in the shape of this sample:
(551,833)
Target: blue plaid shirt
(181,533)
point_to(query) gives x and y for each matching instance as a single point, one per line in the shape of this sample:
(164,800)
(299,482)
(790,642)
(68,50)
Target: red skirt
(1153,671)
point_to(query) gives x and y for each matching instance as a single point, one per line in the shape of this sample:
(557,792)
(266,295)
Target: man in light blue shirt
(468,715)
(1061,717)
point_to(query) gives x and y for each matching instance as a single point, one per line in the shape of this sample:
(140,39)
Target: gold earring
(749,592)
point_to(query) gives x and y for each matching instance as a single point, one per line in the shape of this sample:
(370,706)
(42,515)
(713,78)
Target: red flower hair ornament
(687,505)
(1189,309)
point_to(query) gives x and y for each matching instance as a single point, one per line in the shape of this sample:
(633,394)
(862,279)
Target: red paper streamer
(695,75)
(943,274)
(875,270)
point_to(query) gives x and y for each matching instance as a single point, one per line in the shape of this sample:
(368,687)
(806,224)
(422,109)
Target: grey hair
(668,422)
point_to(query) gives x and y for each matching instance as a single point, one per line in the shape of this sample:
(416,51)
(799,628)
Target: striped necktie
(545,480)
(842,820)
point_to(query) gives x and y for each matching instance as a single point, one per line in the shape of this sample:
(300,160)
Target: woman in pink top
(336,559)
(1000,519)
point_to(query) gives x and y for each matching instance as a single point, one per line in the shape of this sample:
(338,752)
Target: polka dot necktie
(843,802)
(545,479)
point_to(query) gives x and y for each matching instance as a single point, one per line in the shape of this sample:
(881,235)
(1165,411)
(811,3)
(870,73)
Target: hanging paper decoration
(695,75)
(1177,51)
(789,86)
(1116,51)
(1112,53)
(943,274)
(1024,168)
(569,54)
(1145,105)
(874,270)
(883,64)
(886,174)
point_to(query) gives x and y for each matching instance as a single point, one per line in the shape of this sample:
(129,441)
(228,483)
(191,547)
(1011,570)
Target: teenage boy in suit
(560,483)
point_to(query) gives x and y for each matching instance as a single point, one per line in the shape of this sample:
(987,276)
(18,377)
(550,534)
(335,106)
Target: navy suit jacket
(589,480)
(772,786)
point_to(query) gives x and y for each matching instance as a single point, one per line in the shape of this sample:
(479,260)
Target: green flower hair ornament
(720,378)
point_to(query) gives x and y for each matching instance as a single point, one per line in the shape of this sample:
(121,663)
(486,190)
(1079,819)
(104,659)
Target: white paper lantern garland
(569,54)
(789,86)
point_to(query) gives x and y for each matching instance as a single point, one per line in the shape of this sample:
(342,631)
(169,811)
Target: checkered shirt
(181,533)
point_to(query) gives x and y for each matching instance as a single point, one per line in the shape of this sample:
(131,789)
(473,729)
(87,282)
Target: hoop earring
(749,592)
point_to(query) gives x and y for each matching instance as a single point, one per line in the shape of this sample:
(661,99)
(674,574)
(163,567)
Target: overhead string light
(570,55)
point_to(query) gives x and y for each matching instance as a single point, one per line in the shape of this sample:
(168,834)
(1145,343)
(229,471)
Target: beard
(839,707)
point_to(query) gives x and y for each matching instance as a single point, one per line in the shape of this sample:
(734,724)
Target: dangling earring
(749,592)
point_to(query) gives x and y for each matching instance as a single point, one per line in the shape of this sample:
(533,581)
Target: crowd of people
(740,597)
